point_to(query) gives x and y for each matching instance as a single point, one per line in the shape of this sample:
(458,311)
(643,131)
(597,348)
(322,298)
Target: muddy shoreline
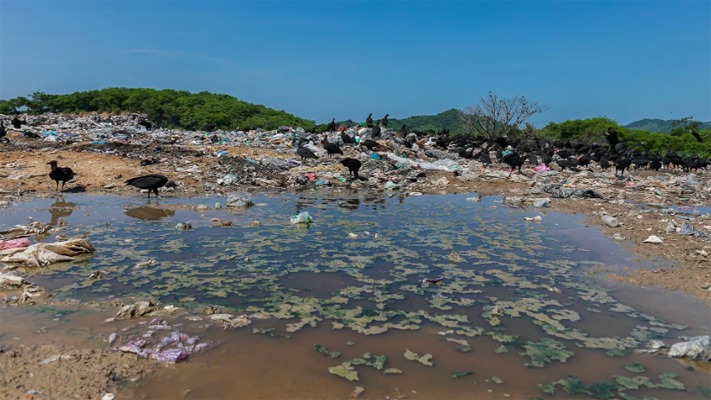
(94,370)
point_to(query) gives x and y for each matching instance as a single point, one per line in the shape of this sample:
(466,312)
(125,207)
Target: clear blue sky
(626,60)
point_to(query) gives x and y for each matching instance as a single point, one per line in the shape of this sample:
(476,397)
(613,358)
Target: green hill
(658,125)
(422,123)
(166,108)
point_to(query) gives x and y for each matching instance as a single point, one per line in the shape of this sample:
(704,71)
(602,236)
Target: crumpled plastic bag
(15,243)
(33,228)
(301,218)
(43,254)
(542,167)
(158,344)
(694,348)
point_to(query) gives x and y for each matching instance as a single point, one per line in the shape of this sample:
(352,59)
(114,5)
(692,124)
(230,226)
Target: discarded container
(301,218)
(375,156)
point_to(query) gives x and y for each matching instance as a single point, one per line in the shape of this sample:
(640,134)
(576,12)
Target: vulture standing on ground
(151,182)
(63,174)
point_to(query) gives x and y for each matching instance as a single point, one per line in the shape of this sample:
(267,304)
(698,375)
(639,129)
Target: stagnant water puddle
(522,311)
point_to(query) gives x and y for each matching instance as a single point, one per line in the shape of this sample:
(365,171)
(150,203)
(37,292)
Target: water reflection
(60,209)
(149,213)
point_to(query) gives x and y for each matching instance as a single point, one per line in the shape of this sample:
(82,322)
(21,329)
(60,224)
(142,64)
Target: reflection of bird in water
(148,213)
(151,182)
(60,209)
(63,174)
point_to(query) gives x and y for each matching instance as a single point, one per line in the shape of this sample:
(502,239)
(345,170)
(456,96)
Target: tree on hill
(165,108)
(495,116)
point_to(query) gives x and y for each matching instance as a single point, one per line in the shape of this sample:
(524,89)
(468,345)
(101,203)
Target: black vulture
(353,166)
(17,123)
(369,121)
(384,121)
(514,161)
(331,148)
(63,174)
(696,135)
(621,164)
(331,126)
(403,130)
(3,131)
(146,124)
(305,153)
(611,137)
(376,130)
(346,138)
(370,144)
(151,182)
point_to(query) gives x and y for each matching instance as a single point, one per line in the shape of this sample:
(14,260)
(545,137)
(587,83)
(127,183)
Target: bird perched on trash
(3,131)
(514,161)
(331,126)
(305,153)
(63,174)
(369,121)
(346,138)
(369,143)
(146,124)
(331,148)
(353,166)
(375,133)
(384,121)
(17,123)
(611,137)
(151,182)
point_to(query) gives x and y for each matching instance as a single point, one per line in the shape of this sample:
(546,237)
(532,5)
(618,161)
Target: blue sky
(626,60)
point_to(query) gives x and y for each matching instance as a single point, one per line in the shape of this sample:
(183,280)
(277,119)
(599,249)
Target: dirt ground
(93,370)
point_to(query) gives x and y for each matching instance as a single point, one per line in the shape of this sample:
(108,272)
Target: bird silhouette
(369,121)
(305,153)
(346,138)
(384,121)
(17,123)
(353,166)
(57,174)
(331,148)
(3,131)
(151,182)
(331,126)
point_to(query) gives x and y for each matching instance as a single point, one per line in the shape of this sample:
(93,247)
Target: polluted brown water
(422,297)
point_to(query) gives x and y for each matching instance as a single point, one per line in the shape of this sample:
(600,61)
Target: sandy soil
(93,371)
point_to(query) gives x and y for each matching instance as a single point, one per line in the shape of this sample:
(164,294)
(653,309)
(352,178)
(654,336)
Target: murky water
(518,298)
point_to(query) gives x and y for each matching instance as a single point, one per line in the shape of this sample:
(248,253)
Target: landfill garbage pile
(222,161)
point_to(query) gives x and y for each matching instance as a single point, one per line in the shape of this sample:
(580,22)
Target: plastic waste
(301,218)
(15,243)
(375,156)
(697,347)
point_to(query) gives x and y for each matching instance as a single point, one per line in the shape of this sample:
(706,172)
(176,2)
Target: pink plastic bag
(541,168)
(15,243)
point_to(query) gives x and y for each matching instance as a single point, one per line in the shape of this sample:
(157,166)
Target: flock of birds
(352,164)
(615,153)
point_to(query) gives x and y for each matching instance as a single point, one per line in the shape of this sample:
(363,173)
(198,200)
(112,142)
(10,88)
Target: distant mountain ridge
(658,125)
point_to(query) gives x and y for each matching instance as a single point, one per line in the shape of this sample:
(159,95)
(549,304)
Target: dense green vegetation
(593,129)
(166,108)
